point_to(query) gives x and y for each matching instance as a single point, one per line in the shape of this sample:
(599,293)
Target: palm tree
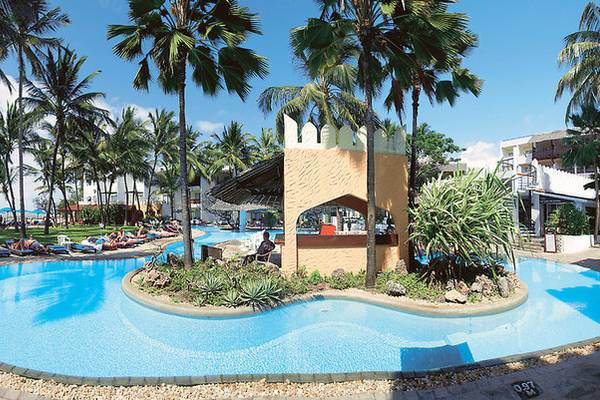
(266,146)
(369,26)
(86,149)
(23,24)
(204,35)
(581,53)
(42,150)
(63,95)
(447,34)
(9,133)
(327,99)
(161,137)
(124,150)
(583,148)
(168,183)
(232,150)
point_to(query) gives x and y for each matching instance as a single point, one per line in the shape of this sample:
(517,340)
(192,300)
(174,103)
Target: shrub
(347,280)
(231,298)
(260,293)
(416,287)
(466,219)
(568,220)
(211,284)
(91,215)
(315,278)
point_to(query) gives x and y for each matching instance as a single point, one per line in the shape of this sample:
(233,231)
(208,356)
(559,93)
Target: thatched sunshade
(261,185)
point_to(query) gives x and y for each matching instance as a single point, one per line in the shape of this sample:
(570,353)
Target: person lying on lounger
(34,245)
(263,251)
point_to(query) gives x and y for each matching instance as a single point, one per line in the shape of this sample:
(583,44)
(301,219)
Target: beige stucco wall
(351,259)
(316,176)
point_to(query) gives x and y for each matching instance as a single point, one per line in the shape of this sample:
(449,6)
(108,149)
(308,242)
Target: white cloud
(209,126)
(6,96)
(140,112)
(481,155)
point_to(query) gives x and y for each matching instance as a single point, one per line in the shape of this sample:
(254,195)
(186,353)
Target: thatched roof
(260,186)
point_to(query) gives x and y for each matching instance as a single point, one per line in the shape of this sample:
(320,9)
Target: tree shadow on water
(68,294)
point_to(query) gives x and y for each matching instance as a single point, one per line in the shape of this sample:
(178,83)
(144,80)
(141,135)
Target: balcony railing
(528,181)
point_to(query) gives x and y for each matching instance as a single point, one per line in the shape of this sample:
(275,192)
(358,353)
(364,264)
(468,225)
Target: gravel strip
(258,389)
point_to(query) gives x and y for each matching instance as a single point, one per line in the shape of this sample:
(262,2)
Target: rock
(395,289)
(503,286)
(462,287)
(449,285)
(157,279)
(173,260)
(513,281)
(476,287)
(454,296)
(401,268)
(488,288)
(338,273)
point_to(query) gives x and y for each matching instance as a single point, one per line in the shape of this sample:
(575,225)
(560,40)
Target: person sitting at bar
(390,230)
(263,251)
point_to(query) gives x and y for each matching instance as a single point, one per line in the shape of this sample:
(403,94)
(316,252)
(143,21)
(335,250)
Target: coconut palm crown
(581,53)
(23,25)
(207,37)
(63,94)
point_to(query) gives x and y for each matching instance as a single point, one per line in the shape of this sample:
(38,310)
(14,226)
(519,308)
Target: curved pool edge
(377,299)
(129,381)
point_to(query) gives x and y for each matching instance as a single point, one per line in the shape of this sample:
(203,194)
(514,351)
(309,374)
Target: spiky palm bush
(463,221)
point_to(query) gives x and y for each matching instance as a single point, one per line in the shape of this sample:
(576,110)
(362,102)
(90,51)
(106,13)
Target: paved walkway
(589,258)
(573,379)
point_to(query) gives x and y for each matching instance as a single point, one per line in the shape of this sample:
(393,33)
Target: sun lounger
(4,252)
(21,253)
(81,248)
(56,249)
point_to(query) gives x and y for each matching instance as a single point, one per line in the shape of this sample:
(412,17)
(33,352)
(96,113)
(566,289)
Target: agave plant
(260,293)
(231,298)
(465,220)
(211,284)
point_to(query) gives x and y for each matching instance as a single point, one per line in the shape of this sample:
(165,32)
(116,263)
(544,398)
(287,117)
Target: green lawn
(77,233)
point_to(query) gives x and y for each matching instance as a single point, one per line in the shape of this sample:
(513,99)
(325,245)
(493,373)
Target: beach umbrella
(5,210)
(38,212)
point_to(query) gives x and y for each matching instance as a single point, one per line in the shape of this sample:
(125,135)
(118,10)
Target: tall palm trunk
(11,192)
(152,172)
(412,190)
(108,194)
(76,197)
(20,143)
(53,172)
(172,201)
(136,195)
(99,195)
(371,208)
(416,93)
(188,255)
(126,200)
(63,188)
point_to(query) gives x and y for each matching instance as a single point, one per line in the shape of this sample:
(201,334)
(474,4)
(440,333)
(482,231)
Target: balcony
(527,181)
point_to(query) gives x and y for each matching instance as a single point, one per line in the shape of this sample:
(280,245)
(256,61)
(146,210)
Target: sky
(518,46)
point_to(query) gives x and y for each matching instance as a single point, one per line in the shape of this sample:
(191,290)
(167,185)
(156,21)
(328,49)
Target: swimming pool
(73,318)
(213,236)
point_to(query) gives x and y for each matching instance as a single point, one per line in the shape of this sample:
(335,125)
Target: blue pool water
(213,236)
(72,318)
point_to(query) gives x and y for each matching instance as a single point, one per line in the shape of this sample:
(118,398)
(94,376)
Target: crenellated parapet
(344,138)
